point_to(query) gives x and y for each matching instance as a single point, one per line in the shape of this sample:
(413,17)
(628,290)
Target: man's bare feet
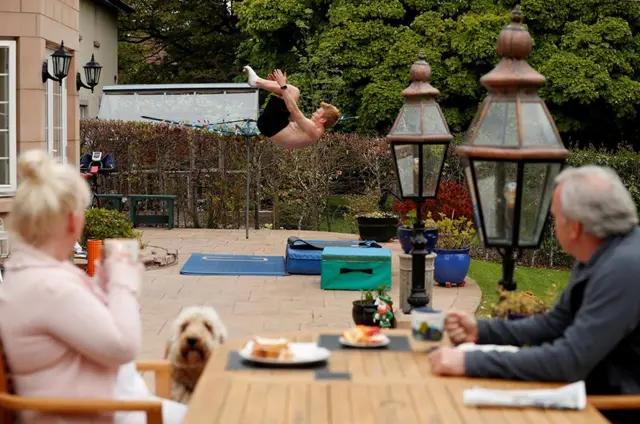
(251,76)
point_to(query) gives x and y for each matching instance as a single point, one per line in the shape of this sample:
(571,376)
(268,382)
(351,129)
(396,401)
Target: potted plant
(103,224)
(405,231)
(454,243)
(517,305)
(373,224)
(365,308)
(377,226)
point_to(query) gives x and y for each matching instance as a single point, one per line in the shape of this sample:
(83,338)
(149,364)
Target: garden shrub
(103,224)
(452,201)
(360,204)
(623,160)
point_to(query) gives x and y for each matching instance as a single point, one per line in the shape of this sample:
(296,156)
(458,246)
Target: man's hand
(447,361)
(281,77)
(461,327)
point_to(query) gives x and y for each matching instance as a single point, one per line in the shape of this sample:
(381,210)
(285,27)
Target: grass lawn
(542,282)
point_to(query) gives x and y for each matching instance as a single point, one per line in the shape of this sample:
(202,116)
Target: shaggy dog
(196,333)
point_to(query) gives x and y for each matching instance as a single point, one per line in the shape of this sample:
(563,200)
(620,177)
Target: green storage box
(353,268)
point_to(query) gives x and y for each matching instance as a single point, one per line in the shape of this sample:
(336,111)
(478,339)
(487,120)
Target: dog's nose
(192,341)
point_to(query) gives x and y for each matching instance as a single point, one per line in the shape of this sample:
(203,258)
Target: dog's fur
(196,333)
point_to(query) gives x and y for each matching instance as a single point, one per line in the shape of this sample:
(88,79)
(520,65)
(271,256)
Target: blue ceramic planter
(405,236)
(451,265)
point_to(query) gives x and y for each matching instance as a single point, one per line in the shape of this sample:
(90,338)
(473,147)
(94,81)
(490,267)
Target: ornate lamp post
(513,152)
(419,140)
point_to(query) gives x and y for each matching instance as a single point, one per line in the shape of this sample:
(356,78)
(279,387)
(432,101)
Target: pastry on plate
(363,334)
(271,348)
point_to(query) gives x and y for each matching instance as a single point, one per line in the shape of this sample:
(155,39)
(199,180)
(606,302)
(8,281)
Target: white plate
(384,341)
(303,353)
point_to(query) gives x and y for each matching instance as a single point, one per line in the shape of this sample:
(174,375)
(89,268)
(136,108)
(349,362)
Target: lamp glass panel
(408,121)
(499,126)
(406,156)
(537,190)
(92,74)
(496,184)
(471,186)
(474,123)
(537,130)
(67,64)
(432,160)
(432,120)
(61,64)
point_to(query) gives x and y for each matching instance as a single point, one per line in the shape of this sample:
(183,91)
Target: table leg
(170,207)
(132,212)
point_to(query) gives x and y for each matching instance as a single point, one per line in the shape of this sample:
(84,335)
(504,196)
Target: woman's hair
(47,191)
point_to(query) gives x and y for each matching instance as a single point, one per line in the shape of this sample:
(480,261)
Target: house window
(84,111)
(56,115)
(7,116)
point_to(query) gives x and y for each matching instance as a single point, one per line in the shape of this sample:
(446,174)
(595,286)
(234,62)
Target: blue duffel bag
(305,256)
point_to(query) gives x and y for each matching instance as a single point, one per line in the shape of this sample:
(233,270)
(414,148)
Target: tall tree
(179,41)
(361,52)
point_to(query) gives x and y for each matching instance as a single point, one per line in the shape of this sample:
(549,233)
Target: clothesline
(225,127)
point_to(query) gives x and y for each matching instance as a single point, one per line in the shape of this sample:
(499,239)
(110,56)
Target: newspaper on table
(571,396)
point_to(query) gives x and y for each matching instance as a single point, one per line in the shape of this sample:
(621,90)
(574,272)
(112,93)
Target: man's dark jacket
(591,334)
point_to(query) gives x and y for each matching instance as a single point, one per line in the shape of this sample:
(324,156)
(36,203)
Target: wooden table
(385,387)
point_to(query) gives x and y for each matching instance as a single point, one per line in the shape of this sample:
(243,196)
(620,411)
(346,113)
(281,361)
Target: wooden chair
(10,402)
(615,402)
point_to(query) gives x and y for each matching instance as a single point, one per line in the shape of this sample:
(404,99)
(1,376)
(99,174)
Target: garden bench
(107,198)
(152,219)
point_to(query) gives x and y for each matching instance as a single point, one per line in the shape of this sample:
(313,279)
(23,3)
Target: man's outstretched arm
(610,311)
(297,116)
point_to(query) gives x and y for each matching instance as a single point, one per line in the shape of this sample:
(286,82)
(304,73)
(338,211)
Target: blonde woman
(64,334)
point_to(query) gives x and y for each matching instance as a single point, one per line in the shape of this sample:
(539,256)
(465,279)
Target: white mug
(427,324)
(130,246)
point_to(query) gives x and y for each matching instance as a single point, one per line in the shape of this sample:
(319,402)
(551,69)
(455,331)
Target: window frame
(13,128)
(50,114)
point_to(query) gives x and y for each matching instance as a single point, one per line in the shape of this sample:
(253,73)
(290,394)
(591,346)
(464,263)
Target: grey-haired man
(593,331)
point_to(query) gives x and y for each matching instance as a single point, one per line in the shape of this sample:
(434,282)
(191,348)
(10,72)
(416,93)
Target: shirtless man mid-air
(282,120)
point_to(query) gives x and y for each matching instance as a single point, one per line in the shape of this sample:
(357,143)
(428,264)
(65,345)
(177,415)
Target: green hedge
(304,188)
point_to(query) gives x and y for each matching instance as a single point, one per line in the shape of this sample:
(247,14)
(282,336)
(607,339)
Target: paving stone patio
(251,305)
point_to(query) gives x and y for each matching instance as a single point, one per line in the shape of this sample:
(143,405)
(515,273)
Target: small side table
(405,280)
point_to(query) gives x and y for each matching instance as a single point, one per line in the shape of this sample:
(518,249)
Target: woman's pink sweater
(63,337)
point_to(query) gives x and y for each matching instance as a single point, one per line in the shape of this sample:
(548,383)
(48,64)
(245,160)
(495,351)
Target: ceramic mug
(427,324)
(130,246)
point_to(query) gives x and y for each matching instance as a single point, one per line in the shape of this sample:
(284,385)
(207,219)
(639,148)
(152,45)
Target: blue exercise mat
(209,264)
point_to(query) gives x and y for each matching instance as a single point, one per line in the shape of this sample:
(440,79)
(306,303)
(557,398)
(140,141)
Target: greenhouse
(214,104)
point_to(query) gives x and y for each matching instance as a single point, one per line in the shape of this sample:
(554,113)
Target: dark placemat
(236,363)
(396,344)
(328,375)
